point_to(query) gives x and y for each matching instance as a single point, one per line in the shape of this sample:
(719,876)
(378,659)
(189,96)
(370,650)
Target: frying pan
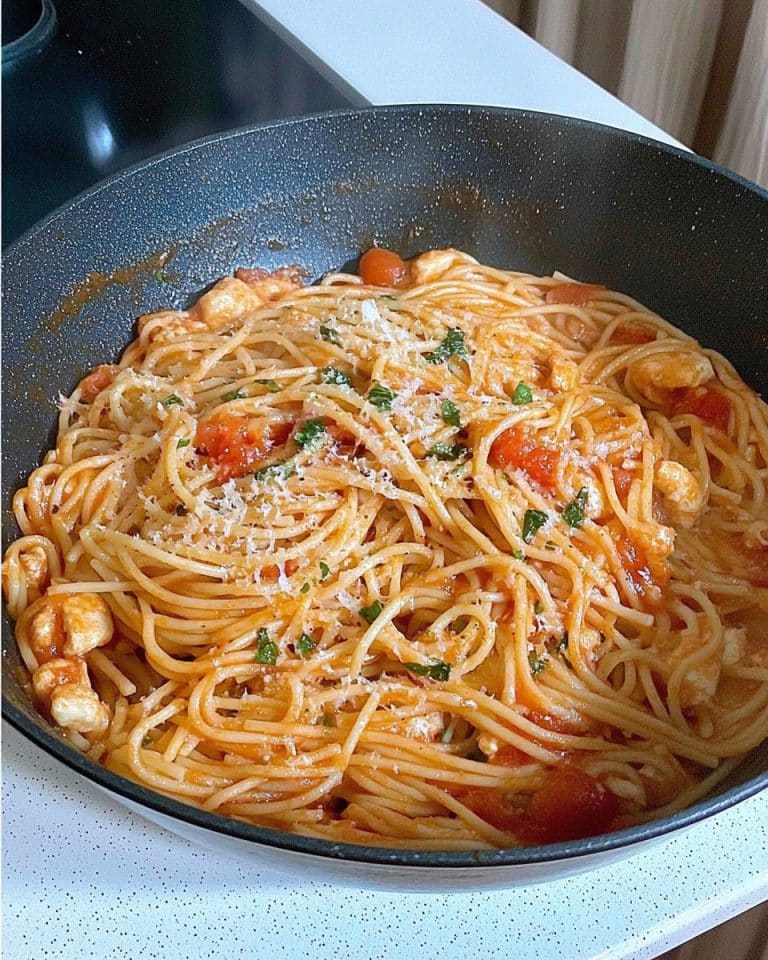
(515,189)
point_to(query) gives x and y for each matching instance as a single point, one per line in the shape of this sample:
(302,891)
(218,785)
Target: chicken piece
(701,678)
(87,623)
(269,286)
(734,645)
(431,266)
(671,370)
(167,325)
(55,673)
(46,632)
(564,374)
(77,707)
(682,495)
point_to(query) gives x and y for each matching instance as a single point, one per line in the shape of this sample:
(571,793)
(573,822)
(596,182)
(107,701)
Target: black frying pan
(515,189)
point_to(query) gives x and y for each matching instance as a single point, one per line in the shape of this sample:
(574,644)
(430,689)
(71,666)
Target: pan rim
(394,858)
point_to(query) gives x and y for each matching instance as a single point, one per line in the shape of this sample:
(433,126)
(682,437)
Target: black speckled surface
(515,189)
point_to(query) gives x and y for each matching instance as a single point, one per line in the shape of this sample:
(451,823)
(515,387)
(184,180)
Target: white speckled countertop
(83,877)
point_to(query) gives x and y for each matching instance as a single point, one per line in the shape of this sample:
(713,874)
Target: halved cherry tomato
(97,380)
(382,268)
(235,444)
(704,402)
(516,449)
(574,293)
(569,806)
(631,335)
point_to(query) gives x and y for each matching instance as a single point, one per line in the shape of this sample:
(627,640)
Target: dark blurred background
(92,86)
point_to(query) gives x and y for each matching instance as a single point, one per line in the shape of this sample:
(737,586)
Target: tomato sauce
(575,294)
(705,403)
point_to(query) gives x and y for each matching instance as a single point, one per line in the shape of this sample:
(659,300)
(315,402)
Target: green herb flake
(304,588)
(183,443)
(381,397)
(278,471)
(311,435)
(436,670)
(330,336)
(325,570)
(337,377)
(232,395)
(522,394)
(305,645)
(459,625)
(573,514)
(518,555)
(172,400)
(266,651)
(450,413)
(159,275)
(448,451)
(532,521)
(452,345)
(371,612)
(272,385)
(537,664)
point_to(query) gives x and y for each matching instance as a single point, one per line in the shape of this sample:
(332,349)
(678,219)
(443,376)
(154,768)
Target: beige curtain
(696,68)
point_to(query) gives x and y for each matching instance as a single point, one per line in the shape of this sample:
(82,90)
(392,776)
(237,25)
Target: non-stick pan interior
(514,189)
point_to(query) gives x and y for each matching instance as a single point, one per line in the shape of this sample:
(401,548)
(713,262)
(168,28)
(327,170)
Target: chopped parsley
(172,400)
(452,345)
(325,570)
(448,451)
(330,336)
(182,443)
(518,555)
(436,670)
(450,413)
(573,514)
(381,397)
(305,645)
(537,664)
(532,521)
(232,395)
(278,471)
(371,612)
(272,385)
(159,275)
(311,435)
(337,377)
(304,588)
(522,394)
(266,651)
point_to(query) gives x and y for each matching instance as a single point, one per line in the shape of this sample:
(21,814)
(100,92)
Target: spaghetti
(439,557)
